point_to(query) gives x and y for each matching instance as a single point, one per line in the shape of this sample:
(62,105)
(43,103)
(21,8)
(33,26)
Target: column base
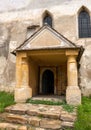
(22,94)
(73,95)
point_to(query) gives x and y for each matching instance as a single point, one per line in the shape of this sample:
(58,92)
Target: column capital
(21,54)
(72,53)
(71,58)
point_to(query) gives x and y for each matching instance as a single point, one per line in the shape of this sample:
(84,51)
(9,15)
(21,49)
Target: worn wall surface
(33,77)
(14,21)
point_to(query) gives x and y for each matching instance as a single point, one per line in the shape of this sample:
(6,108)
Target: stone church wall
(13,32)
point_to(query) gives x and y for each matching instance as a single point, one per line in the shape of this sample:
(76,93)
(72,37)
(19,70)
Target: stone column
(73,93)
(22,90)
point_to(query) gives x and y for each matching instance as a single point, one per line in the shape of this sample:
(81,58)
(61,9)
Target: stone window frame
(81,9)
(44,14)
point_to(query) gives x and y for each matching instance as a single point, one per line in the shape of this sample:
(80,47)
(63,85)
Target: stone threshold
(55,98)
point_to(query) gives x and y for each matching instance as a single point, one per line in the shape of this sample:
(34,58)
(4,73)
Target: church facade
(47,52)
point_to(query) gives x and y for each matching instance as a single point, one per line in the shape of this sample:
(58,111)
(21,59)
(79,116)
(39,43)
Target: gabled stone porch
(47,50)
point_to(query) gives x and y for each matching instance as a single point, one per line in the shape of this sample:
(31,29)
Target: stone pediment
(46,37)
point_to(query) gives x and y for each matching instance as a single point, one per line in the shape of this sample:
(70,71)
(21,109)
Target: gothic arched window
(47,20)
(84,24)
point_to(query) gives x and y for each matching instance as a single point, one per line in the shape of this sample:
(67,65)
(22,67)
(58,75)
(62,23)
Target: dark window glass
(47,20)
(84,25)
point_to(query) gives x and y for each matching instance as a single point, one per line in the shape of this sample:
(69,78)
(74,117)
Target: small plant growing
(6,99)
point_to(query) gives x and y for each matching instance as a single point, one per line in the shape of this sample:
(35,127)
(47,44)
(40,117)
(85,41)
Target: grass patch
(66,107)
(84,115)
(6,99)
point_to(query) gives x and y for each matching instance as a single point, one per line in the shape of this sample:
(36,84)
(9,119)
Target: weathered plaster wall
(13,32)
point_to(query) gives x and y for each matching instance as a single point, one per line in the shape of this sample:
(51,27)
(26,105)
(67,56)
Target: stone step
(20,119)
(12,118)
(45,117)
(50,124)
(10,126)
(46,111)
(32,121)
(37,122)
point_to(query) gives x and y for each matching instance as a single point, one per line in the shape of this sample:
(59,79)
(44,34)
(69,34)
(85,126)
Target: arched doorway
(48,82)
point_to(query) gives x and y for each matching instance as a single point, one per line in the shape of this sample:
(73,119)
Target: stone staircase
(36,117)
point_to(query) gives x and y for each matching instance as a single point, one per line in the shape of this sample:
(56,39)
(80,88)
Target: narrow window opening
(84,24)
(47,20)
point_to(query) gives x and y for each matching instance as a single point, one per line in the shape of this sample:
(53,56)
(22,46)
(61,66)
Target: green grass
(6,99)
(66,107)
(84,115)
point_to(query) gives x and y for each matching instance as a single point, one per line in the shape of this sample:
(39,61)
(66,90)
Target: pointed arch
(47,18)
(84,25)
(83,8)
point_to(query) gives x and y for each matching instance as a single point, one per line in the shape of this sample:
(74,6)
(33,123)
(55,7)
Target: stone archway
(48,82)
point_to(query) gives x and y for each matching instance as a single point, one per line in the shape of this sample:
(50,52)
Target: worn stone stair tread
(33,121)
(13,118)
(36,110)
(44,114)
(38,117)
(24,119)
(50,124)
(68,117)
(17,109)
(21,119)
(66,124)
(10,126)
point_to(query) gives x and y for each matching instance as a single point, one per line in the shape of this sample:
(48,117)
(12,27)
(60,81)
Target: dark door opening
(48,82)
